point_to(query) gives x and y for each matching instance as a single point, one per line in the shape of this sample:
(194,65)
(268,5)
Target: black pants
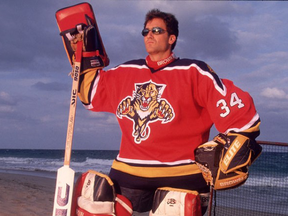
(140,191)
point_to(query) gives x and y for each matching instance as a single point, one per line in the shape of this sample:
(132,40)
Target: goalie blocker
(224,162)
(77,23)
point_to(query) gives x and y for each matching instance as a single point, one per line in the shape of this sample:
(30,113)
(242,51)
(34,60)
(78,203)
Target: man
(165,107)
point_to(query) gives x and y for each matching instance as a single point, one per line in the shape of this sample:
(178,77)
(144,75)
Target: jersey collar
(156,65)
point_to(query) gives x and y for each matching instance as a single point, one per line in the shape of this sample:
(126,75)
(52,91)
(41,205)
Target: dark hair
(169,19)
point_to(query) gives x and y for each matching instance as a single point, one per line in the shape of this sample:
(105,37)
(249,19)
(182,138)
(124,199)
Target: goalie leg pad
(94,195)
(176,202)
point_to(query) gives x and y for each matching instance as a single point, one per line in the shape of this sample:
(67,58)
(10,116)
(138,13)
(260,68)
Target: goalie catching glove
(224,161)
(78,23)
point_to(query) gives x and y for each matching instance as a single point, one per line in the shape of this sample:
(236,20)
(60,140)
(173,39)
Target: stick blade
(63,191)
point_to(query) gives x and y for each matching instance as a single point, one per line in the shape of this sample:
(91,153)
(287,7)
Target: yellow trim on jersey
(85,85)
(156,172)
(179,190)
(102,175)
(253,129)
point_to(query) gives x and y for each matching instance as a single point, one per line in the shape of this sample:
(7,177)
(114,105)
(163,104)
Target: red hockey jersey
(165,109)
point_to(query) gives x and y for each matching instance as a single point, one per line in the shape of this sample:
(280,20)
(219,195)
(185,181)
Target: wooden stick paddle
(65,175)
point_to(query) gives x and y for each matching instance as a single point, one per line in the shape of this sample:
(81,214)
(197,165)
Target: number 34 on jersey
(226,106)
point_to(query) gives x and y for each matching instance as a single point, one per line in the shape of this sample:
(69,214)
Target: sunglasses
(155,31)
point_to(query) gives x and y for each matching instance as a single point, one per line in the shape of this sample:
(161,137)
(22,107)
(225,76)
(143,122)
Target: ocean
(265,190)
(47,162)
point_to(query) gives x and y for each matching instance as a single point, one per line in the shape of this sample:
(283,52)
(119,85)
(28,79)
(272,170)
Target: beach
(29,195)
(28,179)
(26,195)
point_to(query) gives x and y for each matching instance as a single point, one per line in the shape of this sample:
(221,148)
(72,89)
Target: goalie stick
(65,175)
(210,201)
(85,50)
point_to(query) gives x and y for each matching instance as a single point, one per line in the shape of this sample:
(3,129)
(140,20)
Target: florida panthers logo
(144,107)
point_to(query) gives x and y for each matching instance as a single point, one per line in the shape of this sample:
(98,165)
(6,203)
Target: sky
(244,41)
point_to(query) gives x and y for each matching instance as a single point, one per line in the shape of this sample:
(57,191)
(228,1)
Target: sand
(26,195)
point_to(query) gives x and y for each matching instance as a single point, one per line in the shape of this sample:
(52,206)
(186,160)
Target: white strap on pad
(176,202)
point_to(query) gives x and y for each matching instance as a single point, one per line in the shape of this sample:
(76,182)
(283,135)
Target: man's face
(158,46)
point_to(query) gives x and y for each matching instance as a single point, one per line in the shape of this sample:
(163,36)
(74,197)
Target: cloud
(267,69)
(52,86)
(274,93)
(30,33)
(6,99)
(208,37)
(7,103)
(242,41)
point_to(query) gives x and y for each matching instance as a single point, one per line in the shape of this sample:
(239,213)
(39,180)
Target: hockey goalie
(165,107)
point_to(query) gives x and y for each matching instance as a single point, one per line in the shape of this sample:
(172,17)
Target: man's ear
(172,39)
